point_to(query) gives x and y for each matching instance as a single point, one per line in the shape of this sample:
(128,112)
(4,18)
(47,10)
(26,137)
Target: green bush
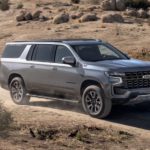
(5,117)
(138,3)
(4,5)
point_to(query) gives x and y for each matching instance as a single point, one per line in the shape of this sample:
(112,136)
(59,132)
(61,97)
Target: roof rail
(58,40)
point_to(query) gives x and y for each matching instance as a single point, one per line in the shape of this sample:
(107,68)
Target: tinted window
(44,53)
(13,51)
(61,52)
(107,53)
(88,52)
(97,52)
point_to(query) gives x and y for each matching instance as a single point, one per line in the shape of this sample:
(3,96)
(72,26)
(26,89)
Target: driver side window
(61,52)
(106,52)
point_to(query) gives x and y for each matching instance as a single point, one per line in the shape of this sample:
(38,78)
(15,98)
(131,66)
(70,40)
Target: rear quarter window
(13,51)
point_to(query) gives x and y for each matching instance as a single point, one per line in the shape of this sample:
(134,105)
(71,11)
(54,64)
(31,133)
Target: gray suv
(91,71)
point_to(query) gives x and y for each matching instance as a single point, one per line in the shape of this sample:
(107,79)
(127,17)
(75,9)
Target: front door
(66,76)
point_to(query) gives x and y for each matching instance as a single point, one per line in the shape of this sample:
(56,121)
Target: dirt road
(126,128)
(47,111)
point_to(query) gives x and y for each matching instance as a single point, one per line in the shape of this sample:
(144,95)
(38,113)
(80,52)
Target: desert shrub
(138,3)
(75,1)
(4,5)
(19,6)
(5,117)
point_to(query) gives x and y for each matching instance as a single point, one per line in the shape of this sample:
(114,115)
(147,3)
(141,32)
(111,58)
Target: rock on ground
(75,1)
(88,17)
(112,18)
(28,16)
(120,5)
(61,18)
(106,5)
(76,16)
(4,5)
(142,13)
(36,15)
(131,12)
(42,18)
(113,5)
(21,16)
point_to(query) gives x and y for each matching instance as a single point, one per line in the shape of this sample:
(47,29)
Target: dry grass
(5,117)
(143,53)
(81,135)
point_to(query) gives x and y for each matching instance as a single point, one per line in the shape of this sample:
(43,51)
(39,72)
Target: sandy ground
(67,115)
(130,36)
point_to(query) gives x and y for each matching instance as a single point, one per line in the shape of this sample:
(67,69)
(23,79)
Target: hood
(121,65)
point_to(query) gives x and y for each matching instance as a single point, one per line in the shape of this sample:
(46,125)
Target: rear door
(40,73)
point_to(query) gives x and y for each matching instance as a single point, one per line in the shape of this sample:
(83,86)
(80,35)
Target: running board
(52,98)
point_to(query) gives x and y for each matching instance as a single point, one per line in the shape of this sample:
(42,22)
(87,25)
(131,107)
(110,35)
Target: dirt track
(126,128)
(42,111)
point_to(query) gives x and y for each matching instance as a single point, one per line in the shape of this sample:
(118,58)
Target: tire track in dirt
(56,112)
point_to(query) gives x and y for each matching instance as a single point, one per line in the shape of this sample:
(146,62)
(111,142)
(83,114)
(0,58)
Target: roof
(66,41)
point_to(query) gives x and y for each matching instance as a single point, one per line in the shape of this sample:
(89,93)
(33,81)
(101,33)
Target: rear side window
(13,51)
(44,53)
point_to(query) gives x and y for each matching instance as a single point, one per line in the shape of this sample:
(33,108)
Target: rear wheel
(94,102)
(18,92)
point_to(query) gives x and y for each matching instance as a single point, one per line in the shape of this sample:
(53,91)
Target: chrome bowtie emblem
(146,77)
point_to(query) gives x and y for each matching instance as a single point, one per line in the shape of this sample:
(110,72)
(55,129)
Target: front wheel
(18,91)
(95,103)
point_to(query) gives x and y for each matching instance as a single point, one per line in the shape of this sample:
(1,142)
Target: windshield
(98,52)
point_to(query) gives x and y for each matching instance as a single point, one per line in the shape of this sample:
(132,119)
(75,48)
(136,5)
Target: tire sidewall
(24,99)
(104,101)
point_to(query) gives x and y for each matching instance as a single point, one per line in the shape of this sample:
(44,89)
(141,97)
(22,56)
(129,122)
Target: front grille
(133,80)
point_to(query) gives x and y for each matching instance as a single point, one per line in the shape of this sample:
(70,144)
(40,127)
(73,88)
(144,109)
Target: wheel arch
(13,75)
(87,83)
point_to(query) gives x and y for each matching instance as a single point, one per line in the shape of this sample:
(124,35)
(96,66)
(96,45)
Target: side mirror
(69,60)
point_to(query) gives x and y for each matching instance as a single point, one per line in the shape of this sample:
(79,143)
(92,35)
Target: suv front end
(130,87)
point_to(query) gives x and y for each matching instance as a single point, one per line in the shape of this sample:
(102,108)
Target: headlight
(115,74)
(115,77)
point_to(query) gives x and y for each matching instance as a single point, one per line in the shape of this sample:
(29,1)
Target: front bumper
(132,96)
(140,99)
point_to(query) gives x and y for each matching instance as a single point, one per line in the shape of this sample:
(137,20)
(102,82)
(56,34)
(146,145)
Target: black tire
(18,91)
(100,106)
